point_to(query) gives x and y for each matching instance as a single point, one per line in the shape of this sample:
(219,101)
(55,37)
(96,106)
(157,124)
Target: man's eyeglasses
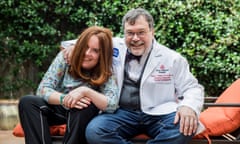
(140,34)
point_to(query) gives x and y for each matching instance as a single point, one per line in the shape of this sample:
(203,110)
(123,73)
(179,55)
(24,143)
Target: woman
(74,93)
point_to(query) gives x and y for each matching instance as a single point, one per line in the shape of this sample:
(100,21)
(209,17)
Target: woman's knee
(85,114)
(25,101)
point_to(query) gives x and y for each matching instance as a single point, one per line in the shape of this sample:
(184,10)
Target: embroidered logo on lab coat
(162,75)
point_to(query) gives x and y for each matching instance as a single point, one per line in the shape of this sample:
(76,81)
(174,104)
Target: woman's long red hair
(103,70)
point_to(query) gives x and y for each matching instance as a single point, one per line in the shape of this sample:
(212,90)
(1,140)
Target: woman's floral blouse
(58,79)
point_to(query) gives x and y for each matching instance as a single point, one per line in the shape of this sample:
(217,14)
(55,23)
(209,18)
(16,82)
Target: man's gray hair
(131,16)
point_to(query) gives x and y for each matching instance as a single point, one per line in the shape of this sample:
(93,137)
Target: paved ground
(6,137)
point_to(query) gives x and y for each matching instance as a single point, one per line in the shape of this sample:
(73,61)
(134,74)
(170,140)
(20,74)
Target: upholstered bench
(58,131)
(223,112)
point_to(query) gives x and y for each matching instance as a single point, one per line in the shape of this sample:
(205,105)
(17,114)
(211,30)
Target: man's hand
(67,52)
(188,120)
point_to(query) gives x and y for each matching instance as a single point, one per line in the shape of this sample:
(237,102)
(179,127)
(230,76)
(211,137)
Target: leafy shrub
(206,32)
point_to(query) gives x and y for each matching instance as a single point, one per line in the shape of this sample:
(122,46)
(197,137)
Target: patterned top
(58,79)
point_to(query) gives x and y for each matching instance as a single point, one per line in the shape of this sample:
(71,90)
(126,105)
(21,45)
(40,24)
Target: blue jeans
(120,127)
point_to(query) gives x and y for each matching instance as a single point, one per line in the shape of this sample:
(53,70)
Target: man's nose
(135,36)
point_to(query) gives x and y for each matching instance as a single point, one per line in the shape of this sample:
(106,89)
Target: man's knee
(96,129)
(91,133)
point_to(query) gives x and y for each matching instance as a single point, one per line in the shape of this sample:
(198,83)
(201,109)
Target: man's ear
(153,32)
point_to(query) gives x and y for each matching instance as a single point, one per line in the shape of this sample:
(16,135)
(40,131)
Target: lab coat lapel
(152,62)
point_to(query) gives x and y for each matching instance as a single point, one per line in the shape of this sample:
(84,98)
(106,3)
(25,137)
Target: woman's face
(92,54)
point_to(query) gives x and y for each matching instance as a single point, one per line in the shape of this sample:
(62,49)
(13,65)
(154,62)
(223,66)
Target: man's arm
(67,48)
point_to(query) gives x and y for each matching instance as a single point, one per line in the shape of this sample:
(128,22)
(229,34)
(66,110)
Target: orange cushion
(57,130)
(222,120)
(142,137)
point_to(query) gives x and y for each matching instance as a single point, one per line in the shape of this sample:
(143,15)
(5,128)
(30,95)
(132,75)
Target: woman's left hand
(82,103)
(76,98)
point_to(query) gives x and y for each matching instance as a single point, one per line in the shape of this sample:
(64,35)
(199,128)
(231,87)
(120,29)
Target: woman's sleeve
(53,77)
(111,91)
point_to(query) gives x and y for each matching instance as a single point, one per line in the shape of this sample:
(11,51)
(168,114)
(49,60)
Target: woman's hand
(83,96)
(82,103)
(77,98)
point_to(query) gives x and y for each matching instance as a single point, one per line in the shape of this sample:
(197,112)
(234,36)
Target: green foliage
(206,32)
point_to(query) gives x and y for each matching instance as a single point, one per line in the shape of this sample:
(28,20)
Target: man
(159,96)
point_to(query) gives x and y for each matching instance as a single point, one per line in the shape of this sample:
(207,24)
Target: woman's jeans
(120,127)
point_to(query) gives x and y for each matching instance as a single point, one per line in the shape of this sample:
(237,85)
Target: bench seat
(209,102)
(141,139)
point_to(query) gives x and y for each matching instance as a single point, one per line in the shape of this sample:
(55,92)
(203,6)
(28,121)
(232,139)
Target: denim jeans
(120,127)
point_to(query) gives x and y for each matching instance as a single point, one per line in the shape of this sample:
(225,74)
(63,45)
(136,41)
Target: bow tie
(133,57)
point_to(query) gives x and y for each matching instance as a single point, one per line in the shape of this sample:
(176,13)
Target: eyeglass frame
(140,34)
